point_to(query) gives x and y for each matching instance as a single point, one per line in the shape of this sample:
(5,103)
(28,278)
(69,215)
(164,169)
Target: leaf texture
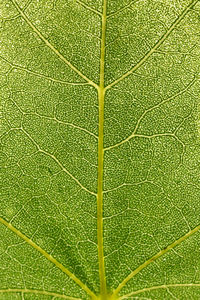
(100,149)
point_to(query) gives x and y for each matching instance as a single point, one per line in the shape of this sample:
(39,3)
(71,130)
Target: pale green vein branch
(55,120)
(160,135)
(154,135)
(89,8)
(67,172)
(4,19)
(69,124)
(38,292)
(40,35)
(57,161)
(49,257)
(125,184)
(101,96)
(155,257)
(18,15)
(164,286)
(176,52)
(133,134)
(122,8)
(156,46)
(15,67)
(163,135)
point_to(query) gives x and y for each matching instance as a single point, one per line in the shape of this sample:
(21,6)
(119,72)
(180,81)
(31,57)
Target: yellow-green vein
(164,286)
(48,256)
(133,134)
(24,16)
(55,159)
(156,46)
(101,95)
(127,6)
(89,8)
(155,257)
(38,292)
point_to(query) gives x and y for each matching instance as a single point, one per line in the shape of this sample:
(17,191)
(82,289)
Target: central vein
(101,96)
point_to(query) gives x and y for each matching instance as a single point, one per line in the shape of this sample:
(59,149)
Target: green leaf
(100,148)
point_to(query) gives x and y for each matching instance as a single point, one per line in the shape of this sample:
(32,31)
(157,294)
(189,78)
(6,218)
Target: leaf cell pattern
(100,149)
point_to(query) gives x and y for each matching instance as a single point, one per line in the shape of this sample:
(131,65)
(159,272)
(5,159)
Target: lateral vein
(16,67)
(122,8)
(57,161)
(154,258)
(39,292)
(48,256)
(89,8)
(24,16)
(133,134)
(54,119)
(164,286)
(156,46)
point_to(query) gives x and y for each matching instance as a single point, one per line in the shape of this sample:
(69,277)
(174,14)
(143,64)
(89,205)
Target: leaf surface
(100,149)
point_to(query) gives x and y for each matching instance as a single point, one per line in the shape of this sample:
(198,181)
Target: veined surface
(100,149)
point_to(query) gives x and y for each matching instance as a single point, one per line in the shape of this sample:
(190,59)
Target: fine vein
(89,8)
(57,161)
(156,46)
(156,287)
(101,96)
(54,119)
(15,67)
(18,67)
(133,134)
(24,16)
(155,257)
(38,292)
(63,123)
(122,8)
(48,256)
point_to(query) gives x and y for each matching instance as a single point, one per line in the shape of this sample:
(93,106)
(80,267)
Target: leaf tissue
(100,149)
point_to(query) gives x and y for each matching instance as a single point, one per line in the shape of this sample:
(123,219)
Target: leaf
(100,149)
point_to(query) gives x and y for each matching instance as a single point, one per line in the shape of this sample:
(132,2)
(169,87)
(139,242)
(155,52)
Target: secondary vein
(24,16)
(55,159)
(133,134)
(155,257)
(48,256)
(156,46)
(37,292)
(89,8)
(164,286)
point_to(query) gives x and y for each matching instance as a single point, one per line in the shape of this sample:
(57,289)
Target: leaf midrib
(101,96)
(122,284)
